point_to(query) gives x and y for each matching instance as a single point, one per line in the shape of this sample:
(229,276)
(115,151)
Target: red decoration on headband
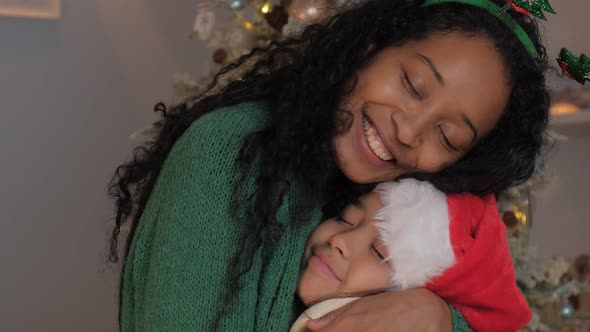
(563,65)
(518,9)
(532,7)
(573,66)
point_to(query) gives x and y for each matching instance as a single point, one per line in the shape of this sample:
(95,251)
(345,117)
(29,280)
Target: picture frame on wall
(36,9)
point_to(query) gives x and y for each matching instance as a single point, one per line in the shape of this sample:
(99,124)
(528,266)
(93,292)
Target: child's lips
(321,264)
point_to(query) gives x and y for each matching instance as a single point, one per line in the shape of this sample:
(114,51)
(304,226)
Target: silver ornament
(236,4)
(567,311)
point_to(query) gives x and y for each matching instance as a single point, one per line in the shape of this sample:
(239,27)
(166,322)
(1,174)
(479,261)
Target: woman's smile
(373,146)
(375,141)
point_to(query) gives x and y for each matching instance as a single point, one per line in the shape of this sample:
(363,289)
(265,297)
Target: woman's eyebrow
(426,60)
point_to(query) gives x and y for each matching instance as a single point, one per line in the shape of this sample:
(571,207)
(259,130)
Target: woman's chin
(365,176)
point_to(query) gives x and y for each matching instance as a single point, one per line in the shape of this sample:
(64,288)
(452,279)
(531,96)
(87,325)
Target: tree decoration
(532,7)
(237,4)
(310,11)
(577,68)
(205,21)
(219,56)
(277,17)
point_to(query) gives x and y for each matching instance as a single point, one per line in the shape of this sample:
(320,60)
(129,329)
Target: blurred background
(78,78)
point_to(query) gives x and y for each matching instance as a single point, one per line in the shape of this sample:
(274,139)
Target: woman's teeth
(375,141)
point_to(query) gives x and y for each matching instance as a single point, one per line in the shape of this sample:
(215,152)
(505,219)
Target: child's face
(344,255)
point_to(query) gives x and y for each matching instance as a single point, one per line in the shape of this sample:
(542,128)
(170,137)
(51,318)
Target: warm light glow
(265,9)
(520,216)
(248,25)
(563,108)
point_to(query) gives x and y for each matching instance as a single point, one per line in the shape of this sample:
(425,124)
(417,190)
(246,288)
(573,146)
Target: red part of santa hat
(456,246)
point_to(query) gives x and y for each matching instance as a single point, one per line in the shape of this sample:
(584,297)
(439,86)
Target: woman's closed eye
(410,87)
(376,252)
(446,143)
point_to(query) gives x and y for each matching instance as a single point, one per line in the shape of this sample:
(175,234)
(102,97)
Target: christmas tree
(253,23)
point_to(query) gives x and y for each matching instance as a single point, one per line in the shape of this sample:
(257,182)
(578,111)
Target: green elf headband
(572,66)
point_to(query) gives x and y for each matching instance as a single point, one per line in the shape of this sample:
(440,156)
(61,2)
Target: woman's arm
(409,310)
(175,276)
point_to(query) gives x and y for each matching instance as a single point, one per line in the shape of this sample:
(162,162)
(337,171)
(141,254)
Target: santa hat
(456,246)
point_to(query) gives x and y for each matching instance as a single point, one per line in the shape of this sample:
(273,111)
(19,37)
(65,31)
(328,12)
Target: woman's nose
(411,126)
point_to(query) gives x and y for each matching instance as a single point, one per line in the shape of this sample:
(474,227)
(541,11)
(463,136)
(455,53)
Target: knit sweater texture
(175,275)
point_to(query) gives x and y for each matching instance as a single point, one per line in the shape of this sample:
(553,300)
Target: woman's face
(344,256)
(421,106)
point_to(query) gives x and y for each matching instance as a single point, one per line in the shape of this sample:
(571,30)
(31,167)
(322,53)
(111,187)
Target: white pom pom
(415,227)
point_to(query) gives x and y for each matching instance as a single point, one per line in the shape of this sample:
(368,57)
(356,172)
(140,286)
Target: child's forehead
(369,203)
(371,200)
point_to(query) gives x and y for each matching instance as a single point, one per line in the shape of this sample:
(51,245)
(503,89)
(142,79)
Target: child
(408,234)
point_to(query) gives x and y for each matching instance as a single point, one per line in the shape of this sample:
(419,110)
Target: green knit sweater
(175,274)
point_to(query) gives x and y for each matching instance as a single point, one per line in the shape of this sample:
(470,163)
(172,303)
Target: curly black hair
(305,78)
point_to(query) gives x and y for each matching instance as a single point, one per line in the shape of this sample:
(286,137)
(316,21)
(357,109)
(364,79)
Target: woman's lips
(368,151)
(321,265)
(375,142)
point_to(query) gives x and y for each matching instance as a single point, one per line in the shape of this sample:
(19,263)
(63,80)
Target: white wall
(71,91)
(561,216)
(570,28)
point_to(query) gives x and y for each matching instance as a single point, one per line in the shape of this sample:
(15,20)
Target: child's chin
(310,301)
(305,296)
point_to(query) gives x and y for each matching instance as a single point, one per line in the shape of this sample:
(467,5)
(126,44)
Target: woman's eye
(446,143)
(411,87)
(376,251)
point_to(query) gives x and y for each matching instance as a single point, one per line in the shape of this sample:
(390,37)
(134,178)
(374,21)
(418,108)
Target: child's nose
(338,243)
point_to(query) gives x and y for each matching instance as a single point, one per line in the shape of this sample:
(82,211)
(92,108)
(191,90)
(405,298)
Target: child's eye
(376,251)
(341,219)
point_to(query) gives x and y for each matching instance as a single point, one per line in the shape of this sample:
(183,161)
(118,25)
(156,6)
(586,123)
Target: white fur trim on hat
(414,225)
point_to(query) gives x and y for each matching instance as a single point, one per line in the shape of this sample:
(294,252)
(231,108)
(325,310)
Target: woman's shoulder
(212,142)
(239,119)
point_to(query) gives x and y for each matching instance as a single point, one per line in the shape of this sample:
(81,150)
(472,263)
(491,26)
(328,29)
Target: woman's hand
(417,310)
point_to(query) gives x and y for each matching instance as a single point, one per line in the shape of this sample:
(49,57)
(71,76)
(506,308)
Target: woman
(234,182)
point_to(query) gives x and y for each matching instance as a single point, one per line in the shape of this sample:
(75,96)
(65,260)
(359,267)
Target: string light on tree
(265,8)
(309,10)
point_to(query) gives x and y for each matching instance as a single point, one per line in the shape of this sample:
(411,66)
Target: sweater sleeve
(459,322)
(176,271)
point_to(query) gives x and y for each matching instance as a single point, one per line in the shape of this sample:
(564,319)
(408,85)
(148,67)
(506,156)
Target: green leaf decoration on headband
(532,7)
(574,67)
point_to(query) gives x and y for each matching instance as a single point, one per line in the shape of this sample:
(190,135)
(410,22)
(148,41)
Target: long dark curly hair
(305,78)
